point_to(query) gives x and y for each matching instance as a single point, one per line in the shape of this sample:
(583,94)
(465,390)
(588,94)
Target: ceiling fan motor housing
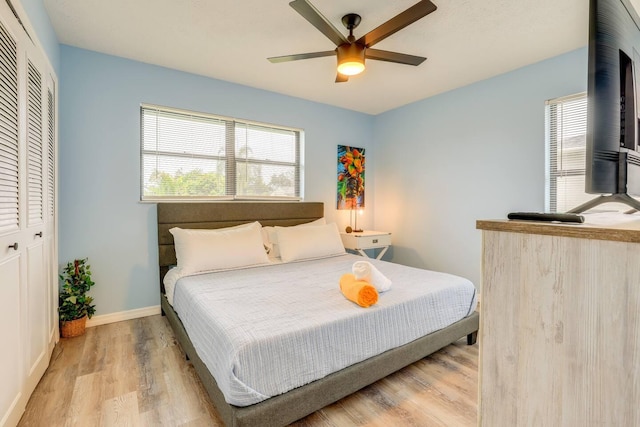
(350,58)
(350,55)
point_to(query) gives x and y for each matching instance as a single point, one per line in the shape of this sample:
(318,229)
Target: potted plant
(75,305)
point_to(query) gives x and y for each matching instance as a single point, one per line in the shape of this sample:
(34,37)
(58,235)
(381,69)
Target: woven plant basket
(73,328)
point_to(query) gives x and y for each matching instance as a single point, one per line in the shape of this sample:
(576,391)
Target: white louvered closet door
(28,256)
(37,293)
(11,352)
(50,208)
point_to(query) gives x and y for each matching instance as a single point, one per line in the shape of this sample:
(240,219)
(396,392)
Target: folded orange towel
(362,293)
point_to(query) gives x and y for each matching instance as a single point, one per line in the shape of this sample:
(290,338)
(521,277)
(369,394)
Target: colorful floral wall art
(350,177)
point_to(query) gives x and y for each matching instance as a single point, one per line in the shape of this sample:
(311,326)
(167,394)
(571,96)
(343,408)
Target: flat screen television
(613,104)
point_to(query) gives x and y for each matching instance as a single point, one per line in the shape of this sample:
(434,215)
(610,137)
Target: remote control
(541,216)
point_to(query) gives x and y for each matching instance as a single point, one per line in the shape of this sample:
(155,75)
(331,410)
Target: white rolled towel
(364,270)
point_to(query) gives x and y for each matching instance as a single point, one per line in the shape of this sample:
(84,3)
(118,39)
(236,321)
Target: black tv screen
(613,152)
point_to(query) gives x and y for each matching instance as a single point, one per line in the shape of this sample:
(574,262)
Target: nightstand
(367,240)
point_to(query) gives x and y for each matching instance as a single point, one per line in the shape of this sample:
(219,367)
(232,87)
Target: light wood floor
(133,373)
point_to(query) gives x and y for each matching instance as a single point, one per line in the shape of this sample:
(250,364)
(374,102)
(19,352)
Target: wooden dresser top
(614,227)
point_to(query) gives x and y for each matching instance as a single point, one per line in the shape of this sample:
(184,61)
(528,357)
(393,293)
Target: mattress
(266,330)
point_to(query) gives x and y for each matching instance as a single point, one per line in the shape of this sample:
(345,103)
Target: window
(188,155)
(566,120)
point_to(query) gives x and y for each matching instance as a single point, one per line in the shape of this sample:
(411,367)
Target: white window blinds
(266,161)
(566,148)
(9,163)
(192,155)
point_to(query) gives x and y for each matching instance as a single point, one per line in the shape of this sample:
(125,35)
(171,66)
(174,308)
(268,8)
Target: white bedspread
(266,330)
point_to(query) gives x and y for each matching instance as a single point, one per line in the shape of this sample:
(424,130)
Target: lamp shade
(350,59)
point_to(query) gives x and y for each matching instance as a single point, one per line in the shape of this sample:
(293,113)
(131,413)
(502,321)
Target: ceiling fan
(350,52)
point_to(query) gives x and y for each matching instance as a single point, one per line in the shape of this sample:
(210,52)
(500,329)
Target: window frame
(230,157)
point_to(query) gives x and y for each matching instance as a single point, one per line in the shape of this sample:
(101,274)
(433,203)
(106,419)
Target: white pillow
(223,248)
(317,241)
(270,237)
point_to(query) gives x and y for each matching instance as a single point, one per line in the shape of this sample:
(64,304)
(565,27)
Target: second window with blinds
(566,129)
(566,152)
(189,155)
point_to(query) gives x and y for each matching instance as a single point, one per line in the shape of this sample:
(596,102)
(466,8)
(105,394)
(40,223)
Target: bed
(289,406)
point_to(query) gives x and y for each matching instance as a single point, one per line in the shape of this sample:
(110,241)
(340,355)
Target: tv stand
(618,197)
(559,330)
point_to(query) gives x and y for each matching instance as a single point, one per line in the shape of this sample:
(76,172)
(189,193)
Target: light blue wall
(438,164)
(38,17)
(435,166)
(473,153)
(99,153)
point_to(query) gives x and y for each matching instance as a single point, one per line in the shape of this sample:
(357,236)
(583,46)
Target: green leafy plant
(76,282)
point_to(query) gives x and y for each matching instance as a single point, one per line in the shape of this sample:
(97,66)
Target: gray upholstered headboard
(225,214)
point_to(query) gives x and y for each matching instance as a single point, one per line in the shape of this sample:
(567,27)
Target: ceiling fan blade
(315,18)
(287,58)
(400,58)
(341,78)
(398,22)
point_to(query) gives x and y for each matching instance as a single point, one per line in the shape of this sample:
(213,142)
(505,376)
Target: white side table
(367,240)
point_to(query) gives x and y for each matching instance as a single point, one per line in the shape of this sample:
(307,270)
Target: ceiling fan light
(351,68)
(350,59)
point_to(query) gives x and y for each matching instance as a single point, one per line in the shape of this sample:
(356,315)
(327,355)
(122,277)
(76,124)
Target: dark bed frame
(297,403)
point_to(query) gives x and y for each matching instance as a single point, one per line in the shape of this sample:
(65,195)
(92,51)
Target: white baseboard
(123,315)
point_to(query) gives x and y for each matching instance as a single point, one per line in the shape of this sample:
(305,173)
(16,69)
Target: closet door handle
(39,234)
(14,246)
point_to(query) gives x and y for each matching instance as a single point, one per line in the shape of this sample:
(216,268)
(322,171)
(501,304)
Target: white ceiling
(464,41)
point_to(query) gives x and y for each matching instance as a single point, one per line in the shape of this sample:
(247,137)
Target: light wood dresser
(560,324)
